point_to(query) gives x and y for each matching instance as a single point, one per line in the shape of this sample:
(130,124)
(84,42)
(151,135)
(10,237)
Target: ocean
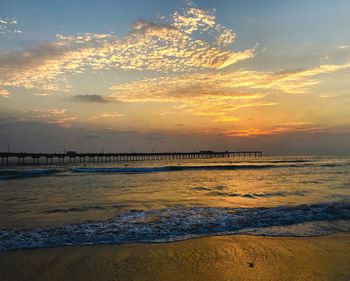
(172,200)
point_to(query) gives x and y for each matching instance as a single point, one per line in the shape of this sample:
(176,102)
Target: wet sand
(212,258)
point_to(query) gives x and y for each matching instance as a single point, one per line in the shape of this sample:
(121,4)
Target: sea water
(161,201)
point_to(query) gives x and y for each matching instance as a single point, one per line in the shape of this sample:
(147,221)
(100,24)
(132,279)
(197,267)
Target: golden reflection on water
(70,198)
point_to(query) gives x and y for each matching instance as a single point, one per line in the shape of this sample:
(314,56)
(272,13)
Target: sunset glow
(184,71)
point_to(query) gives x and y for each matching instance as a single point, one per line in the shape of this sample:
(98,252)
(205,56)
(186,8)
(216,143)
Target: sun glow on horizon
(189,71)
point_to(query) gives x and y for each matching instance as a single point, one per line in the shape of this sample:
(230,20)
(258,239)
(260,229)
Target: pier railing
(22,158)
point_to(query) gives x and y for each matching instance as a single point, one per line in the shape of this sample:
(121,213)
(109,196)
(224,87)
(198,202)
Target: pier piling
(59,158)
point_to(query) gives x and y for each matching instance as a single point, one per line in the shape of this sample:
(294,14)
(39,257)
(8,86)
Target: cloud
(8,27)
(223,85)
(189,53)
(91,98)
(42,137)
(40,68)
(169,44)
(220,93)
(107,115)
(226,38)
(282,129)
(194,19)
(4,93)
(90,137)
(52,116)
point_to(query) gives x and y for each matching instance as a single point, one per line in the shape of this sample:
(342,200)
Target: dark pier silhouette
(21,158)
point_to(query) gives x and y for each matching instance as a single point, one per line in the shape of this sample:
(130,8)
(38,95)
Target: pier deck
(22,158)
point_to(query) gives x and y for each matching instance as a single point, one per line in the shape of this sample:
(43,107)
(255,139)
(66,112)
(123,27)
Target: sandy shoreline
(212,258)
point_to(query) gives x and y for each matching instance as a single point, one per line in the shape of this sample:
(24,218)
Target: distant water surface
(44,206)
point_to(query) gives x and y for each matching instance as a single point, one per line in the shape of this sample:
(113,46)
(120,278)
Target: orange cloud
(107,115)
(168,45)
(284,128)
(219,93)
(52,116)
(224,85)
(4,93)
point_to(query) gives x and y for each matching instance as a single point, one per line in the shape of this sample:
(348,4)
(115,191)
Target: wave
(83,208)
(17,174)
(281,161)
(257,195)
(123,170)
(132,170)
(220,191)
(179,223)
(28,173)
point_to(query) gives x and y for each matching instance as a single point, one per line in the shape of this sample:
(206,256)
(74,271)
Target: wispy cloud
(91,98)
(225,85)
(39,68)
(4,93)
(220,93)
(8,26)
(169,44)
(107,115)
(282,129)
(52,116)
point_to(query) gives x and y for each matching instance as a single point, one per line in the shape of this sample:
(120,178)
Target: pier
(21,158)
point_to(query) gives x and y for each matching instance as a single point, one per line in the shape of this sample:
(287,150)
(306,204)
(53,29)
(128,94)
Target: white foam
(181,223)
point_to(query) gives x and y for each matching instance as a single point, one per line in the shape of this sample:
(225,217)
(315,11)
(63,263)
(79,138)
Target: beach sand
(212,258)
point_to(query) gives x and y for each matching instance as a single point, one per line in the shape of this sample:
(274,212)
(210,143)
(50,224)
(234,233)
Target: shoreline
(178,240)
(223,257)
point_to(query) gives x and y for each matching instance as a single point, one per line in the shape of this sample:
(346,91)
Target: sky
(155,75)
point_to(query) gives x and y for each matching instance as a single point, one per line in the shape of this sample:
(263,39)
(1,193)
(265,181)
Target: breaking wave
(173,224)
